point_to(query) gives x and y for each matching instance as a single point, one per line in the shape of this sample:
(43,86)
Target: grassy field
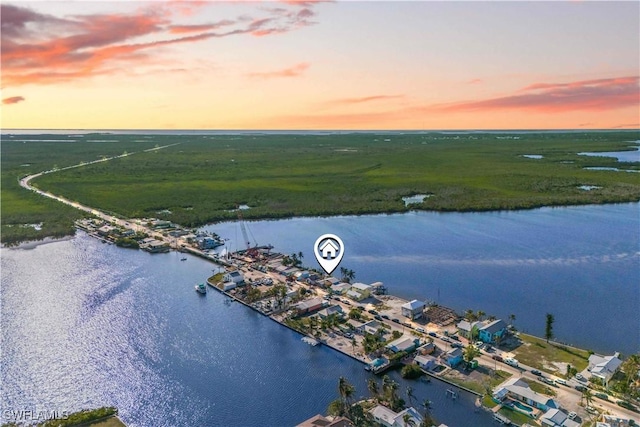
(204,177)
(536,352)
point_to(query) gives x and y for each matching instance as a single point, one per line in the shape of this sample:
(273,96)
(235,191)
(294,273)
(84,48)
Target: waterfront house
(604,367)
(328,421)
(354,295)
(403,343)
(227,286)
(362,289)
(334,309)
(426,362)
(340,288)
(157,246)
(388,418)
(466,329)
(355,325)
(207,242)
(427,348)
(413,309)
(518,390)
(301,275)
(309,306)
(453,357)
(235,277)
(492,332)
(372,326)
(330,281)
(557,418)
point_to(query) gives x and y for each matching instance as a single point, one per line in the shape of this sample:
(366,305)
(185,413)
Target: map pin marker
(329,251)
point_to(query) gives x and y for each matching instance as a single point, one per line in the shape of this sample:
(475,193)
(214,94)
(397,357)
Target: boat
(183,259)
(201,288)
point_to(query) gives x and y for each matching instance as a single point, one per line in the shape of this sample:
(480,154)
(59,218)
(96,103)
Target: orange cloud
(587,95)
(65,49)
(13,100)
(295,71)
(364,99)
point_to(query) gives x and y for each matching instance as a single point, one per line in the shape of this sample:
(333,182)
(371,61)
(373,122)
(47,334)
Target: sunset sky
(320,65)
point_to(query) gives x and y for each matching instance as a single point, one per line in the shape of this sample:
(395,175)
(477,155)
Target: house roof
(417,418)
(454,352)
(377,284)
(234,274)
(424,359)
(494,326)
(340,287)
(402,343)
(310,303)
(322,421)
(604,365)
(527,393)
(354,294)
(413,305)
(466,326)
(361,286)
(383,413)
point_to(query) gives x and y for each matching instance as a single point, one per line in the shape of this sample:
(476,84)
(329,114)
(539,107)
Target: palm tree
(346,391)
(491,318)
(410,395)
(372,385)
(426,418)
(588,397)
(470,315)
(408,420)
(481,314)
(512,318)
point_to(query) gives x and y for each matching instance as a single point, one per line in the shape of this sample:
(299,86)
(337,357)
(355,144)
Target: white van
(561,381)
(512,362)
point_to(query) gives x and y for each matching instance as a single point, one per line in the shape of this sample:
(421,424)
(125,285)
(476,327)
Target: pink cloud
(13,100)
(42,49)
(295,71)
(586,95)
(366,99)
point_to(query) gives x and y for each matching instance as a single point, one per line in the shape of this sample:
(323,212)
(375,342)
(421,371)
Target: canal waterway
(87,324)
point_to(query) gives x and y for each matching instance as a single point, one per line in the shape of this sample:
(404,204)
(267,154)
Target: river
(87,324)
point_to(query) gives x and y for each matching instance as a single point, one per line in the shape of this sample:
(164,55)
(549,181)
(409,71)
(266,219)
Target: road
(25,182)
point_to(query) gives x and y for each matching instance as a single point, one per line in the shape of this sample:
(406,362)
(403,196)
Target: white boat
(201,288)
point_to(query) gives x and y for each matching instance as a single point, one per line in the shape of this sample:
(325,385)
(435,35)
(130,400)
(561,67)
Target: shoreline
(26,244)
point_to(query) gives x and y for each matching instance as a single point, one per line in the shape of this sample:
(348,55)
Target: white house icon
(329,248)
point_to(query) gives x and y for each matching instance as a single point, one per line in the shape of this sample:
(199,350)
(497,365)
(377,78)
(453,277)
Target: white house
(227,286)
(557,418)
(388,418)
(604,367)
(413,309)
(426,362)
(517,389)
(234,276)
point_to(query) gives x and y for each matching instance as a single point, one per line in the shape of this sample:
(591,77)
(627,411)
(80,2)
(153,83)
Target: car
(536,372)
(395,320)
(384,316)
(547,380)
(408,324)
(348,335)
(579,377)
(488,349)
(580,387)
(347,302)
(446,339)
(377,317)
(372,311)
(572,415)
(601,395)
(561,381)
(591,410)
(498,358)
(433,334)
(419,329)
(626,405)
(454,337)
(457,344)
(479,344)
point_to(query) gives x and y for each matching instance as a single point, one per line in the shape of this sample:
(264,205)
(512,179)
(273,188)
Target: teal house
(492,332)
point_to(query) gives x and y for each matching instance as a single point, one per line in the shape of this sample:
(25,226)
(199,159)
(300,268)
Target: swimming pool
(521,406)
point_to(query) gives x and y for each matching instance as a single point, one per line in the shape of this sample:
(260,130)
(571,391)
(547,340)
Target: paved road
(26,183)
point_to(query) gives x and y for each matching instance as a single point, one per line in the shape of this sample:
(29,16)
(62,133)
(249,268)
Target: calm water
(582,264)
(85,324)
